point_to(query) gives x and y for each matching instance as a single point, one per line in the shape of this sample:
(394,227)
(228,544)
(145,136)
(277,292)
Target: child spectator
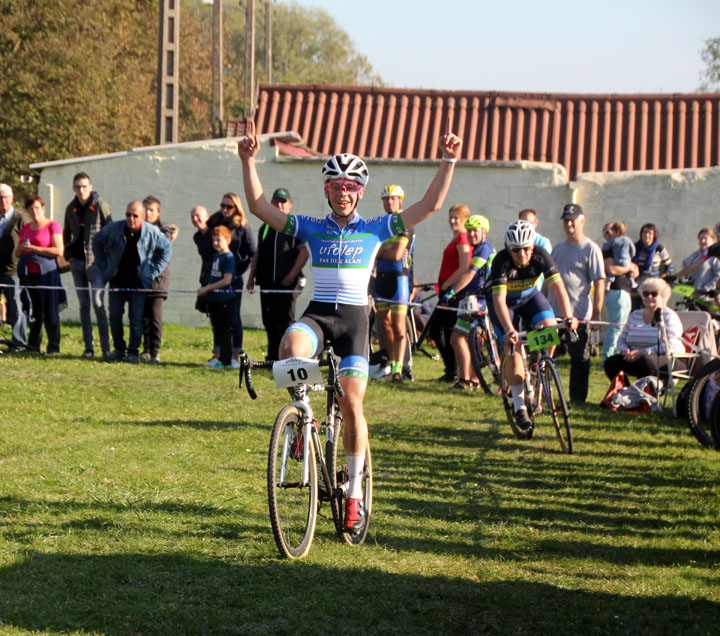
(623,249)
(220,295)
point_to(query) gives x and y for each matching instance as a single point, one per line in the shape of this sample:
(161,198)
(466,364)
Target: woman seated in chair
(641,346)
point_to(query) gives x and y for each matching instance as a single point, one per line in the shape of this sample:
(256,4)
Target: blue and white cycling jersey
(342,259)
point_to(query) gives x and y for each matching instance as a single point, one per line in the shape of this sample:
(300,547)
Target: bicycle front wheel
(339,474)
(557,405)
(293,503)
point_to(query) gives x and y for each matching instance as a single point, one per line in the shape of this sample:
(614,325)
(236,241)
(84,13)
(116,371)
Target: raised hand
(249,144)
(450,144)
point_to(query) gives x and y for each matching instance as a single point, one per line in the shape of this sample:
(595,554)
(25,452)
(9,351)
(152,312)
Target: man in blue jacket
(129,254)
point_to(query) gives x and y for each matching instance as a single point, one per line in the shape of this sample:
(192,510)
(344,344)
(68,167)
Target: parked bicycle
(302,471)
(542,382)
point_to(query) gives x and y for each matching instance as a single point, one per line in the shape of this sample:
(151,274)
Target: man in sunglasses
(129,254)
(513,278)
(342,247)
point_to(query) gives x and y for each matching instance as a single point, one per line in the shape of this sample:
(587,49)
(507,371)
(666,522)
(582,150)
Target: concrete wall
(184,175)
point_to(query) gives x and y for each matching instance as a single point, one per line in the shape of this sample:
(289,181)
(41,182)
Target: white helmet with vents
(346,166)
(520,234)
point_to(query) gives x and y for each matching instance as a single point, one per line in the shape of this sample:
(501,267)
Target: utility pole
(217,69)
(168,75)
(268,41)
(250,58)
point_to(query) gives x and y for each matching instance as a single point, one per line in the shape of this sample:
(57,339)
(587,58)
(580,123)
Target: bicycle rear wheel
(557,405)
(337,467)
(509,411)
(293,504)
(698,411)
(485,358)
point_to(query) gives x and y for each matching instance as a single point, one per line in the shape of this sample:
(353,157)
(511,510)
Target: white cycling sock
(518,396)
(355,469)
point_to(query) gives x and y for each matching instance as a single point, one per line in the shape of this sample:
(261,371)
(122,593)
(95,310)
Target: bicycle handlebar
(247,365)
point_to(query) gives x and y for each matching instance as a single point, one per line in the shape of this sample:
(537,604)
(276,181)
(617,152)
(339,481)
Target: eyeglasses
(649,294)
(343,186)
(276,200)
(225,206)
(517,250)
(133,216)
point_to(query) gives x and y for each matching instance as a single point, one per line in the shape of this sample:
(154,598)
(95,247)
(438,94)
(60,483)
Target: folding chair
(700,347)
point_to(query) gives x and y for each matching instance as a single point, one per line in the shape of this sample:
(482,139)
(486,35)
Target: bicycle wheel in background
(557,405)
(699,403)
(507,403)
(485,359)
(293,505)
(337,467)
(715,421)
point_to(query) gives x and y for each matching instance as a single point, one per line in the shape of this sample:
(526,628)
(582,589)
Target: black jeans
(40,314)
(579,365)
(152,324)
(443,321)
(221,321)
(278,311)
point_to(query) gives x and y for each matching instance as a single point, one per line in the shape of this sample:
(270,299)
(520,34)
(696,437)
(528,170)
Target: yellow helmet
(393,191)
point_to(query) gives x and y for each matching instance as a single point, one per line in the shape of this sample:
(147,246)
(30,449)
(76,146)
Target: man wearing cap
(580,263)
(277,265)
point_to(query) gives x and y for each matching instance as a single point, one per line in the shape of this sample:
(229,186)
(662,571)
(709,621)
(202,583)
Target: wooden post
(217,70)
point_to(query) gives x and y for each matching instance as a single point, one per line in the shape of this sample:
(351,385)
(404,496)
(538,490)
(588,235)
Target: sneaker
(408,376)
(155,358)
(522,419)
(215,364)
(462,385)
(89,354)
(132,358)
(145,356)
(235,364)
(447,377)
(378,370)
(397,378)
(115,356)
(354,516)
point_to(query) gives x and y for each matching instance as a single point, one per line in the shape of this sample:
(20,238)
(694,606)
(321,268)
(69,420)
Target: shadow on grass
(174,594)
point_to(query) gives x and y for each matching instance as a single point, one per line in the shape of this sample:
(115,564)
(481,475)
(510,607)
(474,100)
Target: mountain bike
(303,472)
(542,381)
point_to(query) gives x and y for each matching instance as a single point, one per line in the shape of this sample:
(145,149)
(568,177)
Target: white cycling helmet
(392,191)
(520,234)
(346,166)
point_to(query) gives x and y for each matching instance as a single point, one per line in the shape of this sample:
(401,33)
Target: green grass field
(132,501)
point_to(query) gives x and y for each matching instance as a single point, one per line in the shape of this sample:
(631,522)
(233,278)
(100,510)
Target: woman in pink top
(456,259)
(41,242)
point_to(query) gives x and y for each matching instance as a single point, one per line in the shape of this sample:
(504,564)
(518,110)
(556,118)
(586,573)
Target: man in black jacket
(11,221)
(85,216)
(277,265)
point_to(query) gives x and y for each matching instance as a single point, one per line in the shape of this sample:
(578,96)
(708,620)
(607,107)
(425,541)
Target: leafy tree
(710,76)
(79,76)
(77,79)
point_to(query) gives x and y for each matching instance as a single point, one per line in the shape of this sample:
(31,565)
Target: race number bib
(684,290)
(543,338)
(296,371)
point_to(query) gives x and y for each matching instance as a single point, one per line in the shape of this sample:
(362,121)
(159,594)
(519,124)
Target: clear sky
(615,46)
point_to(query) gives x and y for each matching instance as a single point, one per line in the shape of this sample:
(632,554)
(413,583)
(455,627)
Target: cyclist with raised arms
(514,275)
(342,249)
